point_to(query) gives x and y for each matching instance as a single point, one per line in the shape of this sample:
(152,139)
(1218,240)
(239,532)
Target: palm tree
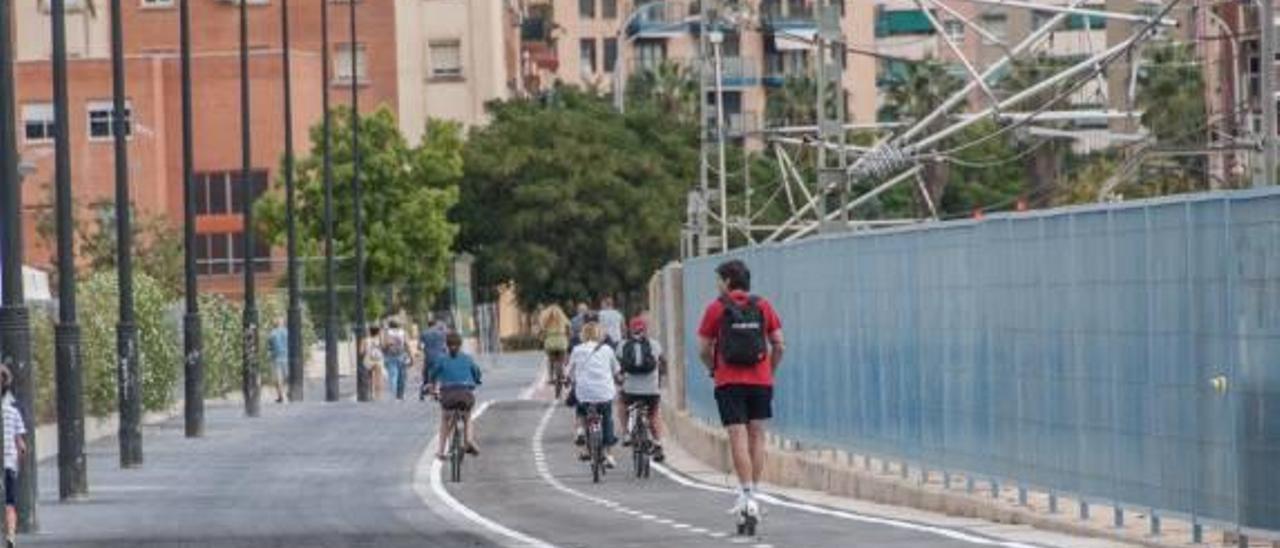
(918,90)
(670,87)
(792,104)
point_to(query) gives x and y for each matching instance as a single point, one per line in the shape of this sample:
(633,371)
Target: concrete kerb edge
(789,469)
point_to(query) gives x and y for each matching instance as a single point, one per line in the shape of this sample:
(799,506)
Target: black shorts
(461,399)
(650,400)
(10,488)
(741,403)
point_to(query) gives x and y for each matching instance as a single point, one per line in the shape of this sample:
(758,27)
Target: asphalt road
(343,474)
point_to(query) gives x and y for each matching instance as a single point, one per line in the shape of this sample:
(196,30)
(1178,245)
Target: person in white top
(15,446)
(611,320)
(595,373)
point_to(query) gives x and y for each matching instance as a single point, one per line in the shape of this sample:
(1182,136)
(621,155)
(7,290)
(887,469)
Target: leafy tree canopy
(407,194)
(570,200)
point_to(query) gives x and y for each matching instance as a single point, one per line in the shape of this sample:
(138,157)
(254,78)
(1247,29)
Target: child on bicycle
(594,371)
(643,367)
(454,378)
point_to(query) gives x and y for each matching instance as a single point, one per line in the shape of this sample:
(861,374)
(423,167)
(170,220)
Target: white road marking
(941,531)
(698,530)
(528,392)
(432,466)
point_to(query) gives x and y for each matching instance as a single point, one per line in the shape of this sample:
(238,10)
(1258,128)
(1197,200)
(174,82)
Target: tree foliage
(670,87)
(407,194)
(570,200)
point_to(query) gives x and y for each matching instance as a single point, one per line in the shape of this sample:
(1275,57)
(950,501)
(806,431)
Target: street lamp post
(71,461)
(362,374)
(15,324)
(295,303)
(128,378)
(193,386)
(717,45)
(250,323)
(330,295)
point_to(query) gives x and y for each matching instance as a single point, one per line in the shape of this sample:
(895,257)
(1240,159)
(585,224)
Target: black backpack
(646,362)
(742,337)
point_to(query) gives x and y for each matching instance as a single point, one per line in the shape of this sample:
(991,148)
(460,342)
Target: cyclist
(643,368)
(611,320)
(555,339)
(432,344)
(580,317)
(454,378)
(740,343)
(594,370)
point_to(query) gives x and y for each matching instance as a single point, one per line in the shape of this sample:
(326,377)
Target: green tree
(407,194)
(571,200)
(1171,95)
(795,103)
(670,87)
(913,92)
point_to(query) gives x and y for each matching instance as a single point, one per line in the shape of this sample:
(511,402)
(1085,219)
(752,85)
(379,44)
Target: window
(587,9)
(650,53)
(997,24)
(955,30)
(342,65)
(217,193)
(446,59)
(37,122)
(610,54)
(102,120)
(223,253)
(587,52)
(609,9)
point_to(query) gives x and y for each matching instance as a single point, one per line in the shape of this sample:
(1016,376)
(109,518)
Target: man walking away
(15,446)
(575,325)
(643,368)
(611,320)
(740,343)
(278,348)
(432,343)
(395,357)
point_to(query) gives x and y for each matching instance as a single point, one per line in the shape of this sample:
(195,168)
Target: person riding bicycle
(594,371)
(555,339)
(643,368)
(454,378)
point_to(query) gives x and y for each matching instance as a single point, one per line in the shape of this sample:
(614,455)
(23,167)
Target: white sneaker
(740,505)
(609,462)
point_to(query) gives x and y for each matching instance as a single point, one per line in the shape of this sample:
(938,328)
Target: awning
(794,39)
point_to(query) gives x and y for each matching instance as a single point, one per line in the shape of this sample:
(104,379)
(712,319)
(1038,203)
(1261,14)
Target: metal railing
(1123,354)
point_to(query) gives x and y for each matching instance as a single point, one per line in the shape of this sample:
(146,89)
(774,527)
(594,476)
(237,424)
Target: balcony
(737,72)
(661,20)
(780,68)
(737,125)
(792,15)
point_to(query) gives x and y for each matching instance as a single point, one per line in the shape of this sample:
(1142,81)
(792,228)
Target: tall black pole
(295,301)
(250,349)
(362,374)
(72,482)
(128,376)
(193,387)
(331,296)
(15,324)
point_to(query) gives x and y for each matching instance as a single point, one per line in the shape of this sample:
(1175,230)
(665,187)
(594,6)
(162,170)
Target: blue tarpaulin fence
(1074,350)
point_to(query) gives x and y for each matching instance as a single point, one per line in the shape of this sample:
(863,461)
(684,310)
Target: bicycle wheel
(456,452)
(640,446)
(597,454)
(558,382)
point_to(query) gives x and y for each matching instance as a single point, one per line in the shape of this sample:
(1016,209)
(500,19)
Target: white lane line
(681,525)
(528,392)
(429,464)
(941,531)
(762,545)
(717,534)
(698,531)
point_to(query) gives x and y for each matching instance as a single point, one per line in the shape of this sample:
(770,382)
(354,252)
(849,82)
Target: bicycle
(555,375)
(641,443)
(595,441)
(457,443)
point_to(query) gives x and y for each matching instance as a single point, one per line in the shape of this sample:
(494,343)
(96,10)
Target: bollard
(1118,517)
(1084,510)
(1053,503)
(995,489)
(1022,496)
(1197,532)
(946,479)
(1155,523)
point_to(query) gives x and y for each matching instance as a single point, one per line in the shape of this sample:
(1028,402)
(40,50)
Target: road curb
(795,470)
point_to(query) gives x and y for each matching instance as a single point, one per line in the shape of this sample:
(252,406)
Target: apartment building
(601,44)
(419,58)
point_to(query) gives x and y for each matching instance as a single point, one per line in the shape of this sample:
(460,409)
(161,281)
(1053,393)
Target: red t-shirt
(762,373)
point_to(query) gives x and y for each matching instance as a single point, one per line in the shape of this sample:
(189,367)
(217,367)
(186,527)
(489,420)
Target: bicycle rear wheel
(597,455)
(456,452)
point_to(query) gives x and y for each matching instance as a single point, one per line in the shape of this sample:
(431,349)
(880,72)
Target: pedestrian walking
(582,311)
(278,349)
(15,447)
(611,321)
(741,344)
(432,342)
(372,348)
(395,357)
